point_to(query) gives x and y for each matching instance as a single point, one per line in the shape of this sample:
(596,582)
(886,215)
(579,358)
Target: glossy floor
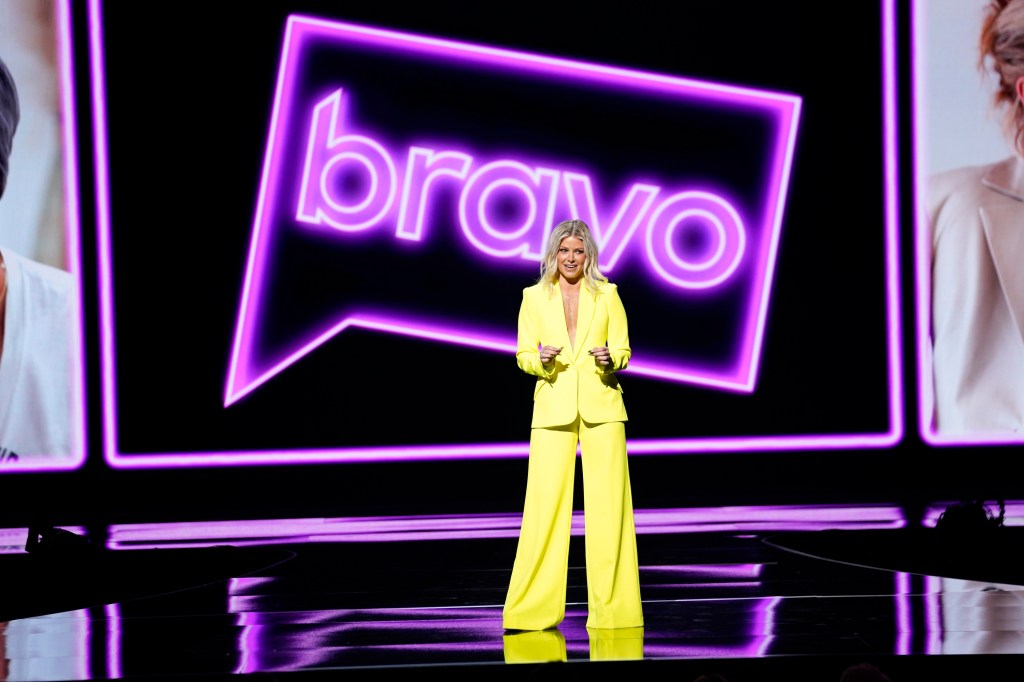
(723,593)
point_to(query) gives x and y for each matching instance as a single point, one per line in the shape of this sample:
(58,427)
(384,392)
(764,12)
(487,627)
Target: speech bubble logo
(333,175)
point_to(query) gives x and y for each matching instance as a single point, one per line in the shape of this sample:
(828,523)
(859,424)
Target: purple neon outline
(235,388)
(720,230)
(247,320)
(922,251)
(72,228)
(319,217)
(480,219)
(428,154)
(517,449)
(99,89)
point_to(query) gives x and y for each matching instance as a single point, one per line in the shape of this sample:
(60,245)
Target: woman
(577,400)
(977,231)
(37,396)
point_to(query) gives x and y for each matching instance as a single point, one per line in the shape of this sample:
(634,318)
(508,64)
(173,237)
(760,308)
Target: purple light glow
(728,571)
(322,201)
(461,622)
(933,614)
(922,257)
(411,194)
(72,230)
(696,208)
(747,519)
(1014,512)
(904,627)
(331,146)
(768,627)
(347,618)
(248,643)
(759,638)
(263,648)
(106,285)
(446,527)
(750,650)
(732,584)
(113,614)
(13,540)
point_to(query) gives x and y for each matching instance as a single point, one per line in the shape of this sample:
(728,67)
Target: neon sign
(332,151)
(697,237)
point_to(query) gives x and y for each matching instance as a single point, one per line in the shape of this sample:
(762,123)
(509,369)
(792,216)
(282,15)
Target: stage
(294,437)
(749,593)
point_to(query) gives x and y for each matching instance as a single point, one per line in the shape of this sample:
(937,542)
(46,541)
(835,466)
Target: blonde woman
(573,338)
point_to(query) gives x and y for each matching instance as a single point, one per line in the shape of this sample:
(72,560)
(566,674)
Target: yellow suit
(576,401)
(575,384)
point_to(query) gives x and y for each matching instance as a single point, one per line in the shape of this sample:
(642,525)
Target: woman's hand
(602,356)
(548,353)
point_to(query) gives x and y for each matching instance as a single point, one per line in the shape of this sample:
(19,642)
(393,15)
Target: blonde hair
(1001,51)
(592,277)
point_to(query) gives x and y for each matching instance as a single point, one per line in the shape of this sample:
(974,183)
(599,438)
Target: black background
(173,325)
(190,87)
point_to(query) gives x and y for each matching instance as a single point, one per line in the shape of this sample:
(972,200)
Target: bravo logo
(380,135)
(332,153)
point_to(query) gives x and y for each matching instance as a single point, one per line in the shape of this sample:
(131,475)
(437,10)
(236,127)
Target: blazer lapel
(584,317)
(1005,234)
(557,314)
(1004,231)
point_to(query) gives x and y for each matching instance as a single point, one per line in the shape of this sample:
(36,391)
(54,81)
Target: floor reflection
(385,592)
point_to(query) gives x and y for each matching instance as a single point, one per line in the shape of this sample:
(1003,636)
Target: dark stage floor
(751,593)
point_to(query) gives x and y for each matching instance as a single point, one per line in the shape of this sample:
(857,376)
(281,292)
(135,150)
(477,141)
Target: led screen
(314,236)
(970,294)
(42,377)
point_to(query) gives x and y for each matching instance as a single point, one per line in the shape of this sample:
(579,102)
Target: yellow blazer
(575,383)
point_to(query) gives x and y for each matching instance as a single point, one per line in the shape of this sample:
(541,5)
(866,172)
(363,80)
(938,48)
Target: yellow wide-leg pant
(537,589)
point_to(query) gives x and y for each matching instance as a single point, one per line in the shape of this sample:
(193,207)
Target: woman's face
(571,258)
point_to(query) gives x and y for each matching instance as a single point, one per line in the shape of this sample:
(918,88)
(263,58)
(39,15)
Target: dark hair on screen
(9,115)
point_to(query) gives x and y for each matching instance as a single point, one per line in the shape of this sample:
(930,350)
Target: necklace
(568,306)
